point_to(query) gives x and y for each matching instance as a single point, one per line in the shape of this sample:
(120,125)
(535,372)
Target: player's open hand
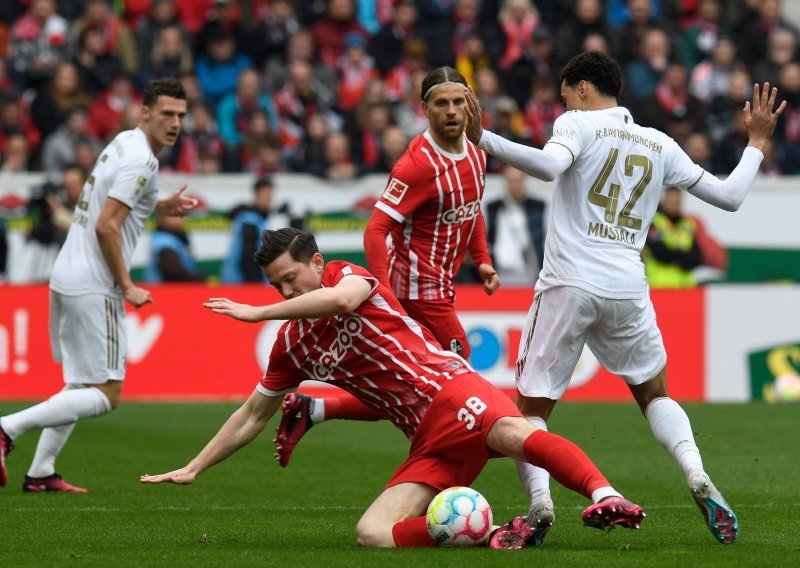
(177,205)
(180,476)
(241,312)
(758,117)
(491,281)
(474,112)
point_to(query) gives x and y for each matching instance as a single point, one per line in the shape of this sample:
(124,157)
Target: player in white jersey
(91,279)
(592,288)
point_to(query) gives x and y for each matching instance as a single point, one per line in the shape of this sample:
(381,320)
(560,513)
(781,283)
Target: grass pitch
(247,511)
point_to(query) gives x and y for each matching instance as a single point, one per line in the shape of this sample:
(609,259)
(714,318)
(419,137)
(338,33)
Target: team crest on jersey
(141,181)
(455,346)
(395,191)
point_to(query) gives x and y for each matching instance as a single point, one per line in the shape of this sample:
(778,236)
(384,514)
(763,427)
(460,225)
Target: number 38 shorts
(622,334)
(87,334)
(449,447)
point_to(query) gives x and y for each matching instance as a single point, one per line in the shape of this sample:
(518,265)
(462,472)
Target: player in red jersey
(347,329)
(430,214)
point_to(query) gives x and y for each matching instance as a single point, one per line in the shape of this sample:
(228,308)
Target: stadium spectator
(59,149)
(699,39)
(628,36)
(757,32)
(338,165)
(518,20)
(393,144)
(472,58)
(672,108)
(577,292)
(86,155)
(399,79)
(712,76)
(258,133)
(222,19)
(722,110)
(105,114)
(367,138)
(782,50)
(171,56)
(643,74)
(52,104)
(310,154)
(218,70)
(539,61)
(410,112)
(787,134)
(95,64)
(268,159)
(515,231)
(356,69)
(162,15)
(541,110)
(329,301)
(38,41)
(300,47)
(390,45)
(698,147)
(13,120)
(117,38)
(171,258)
(509,121)
(235,111)
(330,30)
(570,33)
(674,250)
(200,145)
(247,223)
(90,282)
(16,154)
(267,37)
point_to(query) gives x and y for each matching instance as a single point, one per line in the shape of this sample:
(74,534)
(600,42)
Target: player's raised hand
(226,307)
(474,129)
(491,281)
(758,117)
(177,204)
(180,476)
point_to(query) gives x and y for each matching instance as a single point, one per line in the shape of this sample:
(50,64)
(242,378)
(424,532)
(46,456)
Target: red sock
(412,533)
(348,407)
(565,461)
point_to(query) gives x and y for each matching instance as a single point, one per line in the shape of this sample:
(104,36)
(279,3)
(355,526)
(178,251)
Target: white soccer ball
(787,387)
(459,516)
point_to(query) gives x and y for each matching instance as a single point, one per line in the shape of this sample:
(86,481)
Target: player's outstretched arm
(240,429)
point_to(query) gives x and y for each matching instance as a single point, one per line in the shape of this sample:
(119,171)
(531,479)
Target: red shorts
(439,316)
(449,447)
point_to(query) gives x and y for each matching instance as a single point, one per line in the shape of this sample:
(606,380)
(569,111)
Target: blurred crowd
(332,87)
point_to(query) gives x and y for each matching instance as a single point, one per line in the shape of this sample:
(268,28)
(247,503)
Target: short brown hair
(166,87)
(301,246)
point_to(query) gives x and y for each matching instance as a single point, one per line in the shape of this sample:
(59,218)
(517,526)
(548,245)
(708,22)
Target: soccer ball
(459,516)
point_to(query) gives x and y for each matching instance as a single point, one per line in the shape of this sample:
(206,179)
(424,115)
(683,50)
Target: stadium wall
(725,343)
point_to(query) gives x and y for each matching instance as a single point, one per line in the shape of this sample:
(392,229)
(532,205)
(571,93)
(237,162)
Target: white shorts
(87,334)
(622,334)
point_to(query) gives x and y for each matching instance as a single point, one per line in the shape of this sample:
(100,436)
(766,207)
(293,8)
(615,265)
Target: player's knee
(373,535)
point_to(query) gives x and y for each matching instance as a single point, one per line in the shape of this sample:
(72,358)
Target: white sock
(535,479)
(672,429)
(317,413)
(66,407)
(51,442)
(600,494)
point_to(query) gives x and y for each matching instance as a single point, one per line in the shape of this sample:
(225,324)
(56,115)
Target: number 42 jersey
(605,201)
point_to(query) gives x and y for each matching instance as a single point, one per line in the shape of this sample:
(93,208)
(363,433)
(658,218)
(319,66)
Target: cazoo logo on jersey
(325,367)
(462,213)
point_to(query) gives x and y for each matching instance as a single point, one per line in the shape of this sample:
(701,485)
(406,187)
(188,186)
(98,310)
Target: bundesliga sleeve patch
(347,270)
(395,191)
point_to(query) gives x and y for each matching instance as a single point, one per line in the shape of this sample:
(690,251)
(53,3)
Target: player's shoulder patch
(395,191)
(347,270)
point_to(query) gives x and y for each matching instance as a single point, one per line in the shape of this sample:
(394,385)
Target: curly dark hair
(438,76)
(598,69)
(300,244)
(167,87)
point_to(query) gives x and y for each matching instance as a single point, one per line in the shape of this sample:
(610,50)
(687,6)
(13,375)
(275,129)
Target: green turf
(249,512)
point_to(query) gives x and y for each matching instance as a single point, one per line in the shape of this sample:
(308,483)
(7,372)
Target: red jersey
(436,198)
(376,352)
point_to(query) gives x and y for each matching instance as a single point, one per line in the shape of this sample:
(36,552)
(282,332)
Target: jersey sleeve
(282,375)
(130,180)
(405,191)
(337,271)
(570,132)
(680,170)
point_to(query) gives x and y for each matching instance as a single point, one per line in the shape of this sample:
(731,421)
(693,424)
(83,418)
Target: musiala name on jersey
(611,233)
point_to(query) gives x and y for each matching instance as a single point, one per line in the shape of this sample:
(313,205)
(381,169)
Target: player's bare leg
(672,429)
(396,518)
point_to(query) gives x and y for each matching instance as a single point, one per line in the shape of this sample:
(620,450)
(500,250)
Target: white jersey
(127,170)
(605,201)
